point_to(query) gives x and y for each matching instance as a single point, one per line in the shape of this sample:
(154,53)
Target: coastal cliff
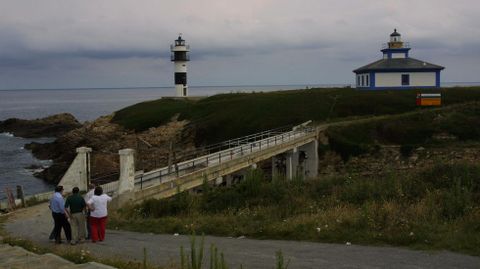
(106,139)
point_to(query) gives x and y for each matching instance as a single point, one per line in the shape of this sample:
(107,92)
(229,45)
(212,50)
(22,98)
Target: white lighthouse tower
(180,57)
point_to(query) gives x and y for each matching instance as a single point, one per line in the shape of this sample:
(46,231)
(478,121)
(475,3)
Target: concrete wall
(180,67)
(77,174)
(366,80)
(398,55)
(395,79)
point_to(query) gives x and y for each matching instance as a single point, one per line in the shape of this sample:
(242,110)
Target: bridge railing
(233,143)
(243,147)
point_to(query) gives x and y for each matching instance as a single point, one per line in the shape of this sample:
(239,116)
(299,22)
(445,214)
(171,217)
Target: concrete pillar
(218,181)
(127,171)
(229,180)
(310,163)
(291,163)
(78,174)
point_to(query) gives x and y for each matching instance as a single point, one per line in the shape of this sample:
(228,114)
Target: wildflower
(319,229)
(411,233)
(348,243)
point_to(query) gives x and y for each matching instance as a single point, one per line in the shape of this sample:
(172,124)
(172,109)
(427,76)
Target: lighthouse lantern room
(180,57)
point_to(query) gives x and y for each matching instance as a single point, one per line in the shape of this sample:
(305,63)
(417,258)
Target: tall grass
(436,208)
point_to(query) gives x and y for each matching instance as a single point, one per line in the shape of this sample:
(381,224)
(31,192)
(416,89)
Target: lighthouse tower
(396,49)
(180,57)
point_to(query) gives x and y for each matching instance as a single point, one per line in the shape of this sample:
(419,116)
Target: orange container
(430,101)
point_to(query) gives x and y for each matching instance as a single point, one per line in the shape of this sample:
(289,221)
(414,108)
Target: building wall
(398,55)
(363,80)
(395,79)
(180,67)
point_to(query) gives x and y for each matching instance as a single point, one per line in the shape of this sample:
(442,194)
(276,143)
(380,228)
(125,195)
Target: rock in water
(51,126)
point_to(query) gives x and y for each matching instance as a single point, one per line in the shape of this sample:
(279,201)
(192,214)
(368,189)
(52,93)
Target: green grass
(435,208)
(226,116)
(461,122)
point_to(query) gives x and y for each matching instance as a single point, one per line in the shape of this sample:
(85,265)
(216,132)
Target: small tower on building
(180,57)
(397,70)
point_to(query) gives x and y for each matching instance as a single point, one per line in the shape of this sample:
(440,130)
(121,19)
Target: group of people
(83,218)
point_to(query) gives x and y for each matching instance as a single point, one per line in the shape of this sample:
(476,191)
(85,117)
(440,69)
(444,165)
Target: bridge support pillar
(78,174)
(291,163)
(308,160)
(218,181)
(126,182)
(301,162)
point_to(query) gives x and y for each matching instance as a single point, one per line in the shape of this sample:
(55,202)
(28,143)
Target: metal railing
(406,45)
(255,143)
(190,154)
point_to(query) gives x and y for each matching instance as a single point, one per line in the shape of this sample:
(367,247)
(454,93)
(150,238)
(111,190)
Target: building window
(363,81)
(367,78)
(358,80)
(405,80)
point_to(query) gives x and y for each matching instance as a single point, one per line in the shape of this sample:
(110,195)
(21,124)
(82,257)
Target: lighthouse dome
(395,33)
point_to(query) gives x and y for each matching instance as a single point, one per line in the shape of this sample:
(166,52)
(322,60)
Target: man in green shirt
(75,205)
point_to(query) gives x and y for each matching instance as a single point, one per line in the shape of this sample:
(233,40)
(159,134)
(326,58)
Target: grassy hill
(226,116)
(428,128)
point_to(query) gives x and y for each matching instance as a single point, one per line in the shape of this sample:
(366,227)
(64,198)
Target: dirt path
(35,224)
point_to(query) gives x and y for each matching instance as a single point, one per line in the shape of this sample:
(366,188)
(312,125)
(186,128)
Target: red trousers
(97,226)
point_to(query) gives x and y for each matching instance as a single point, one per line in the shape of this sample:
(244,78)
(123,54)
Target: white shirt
(89,195)
(99,204)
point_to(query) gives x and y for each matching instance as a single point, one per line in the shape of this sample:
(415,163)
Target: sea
(17,164)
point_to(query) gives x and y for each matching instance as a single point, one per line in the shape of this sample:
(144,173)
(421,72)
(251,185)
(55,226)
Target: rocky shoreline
(105,138)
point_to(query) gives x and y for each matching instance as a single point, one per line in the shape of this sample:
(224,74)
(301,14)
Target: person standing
(76,206)
(88,196)
(57,205)
(98,214)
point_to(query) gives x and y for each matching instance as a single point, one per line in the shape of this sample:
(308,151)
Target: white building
(396,70)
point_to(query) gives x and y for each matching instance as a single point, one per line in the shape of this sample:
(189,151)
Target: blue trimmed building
(396,70)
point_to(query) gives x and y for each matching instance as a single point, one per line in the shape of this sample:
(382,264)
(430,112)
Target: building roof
(395,33)
(400,64)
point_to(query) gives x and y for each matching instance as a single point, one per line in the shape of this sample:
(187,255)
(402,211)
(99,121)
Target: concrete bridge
(293,153)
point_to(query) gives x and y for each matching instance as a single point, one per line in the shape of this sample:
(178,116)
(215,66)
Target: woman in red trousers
(98,214)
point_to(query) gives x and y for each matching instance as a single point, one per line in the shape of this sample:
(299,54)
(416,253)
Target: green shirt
(76,203)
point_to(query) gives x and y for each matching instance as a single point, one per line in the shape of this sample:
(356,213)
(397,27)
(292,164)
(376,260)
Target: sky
(119,43)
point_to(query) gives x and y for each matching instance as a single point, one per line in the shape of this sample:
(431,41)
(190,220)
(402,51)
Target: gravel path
(35,224)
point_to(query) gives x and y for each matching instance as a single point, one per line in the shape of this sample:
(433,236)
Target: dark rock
(52,126)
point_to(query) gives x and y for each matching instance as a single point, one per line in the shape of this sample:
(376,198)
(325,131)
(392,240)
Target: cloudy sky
(119,43)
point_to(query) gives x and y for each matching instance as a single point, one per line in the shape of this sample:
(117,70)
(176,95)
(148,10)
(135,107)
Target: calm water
(85,104)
